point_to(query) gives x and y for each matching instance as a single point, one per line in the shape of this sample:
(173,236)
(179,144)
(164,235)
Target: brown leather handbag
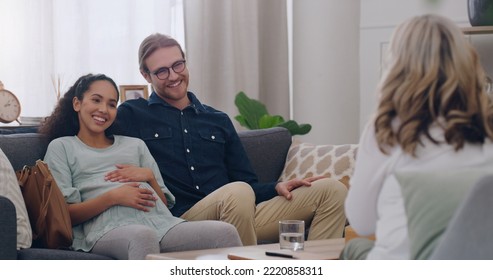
(46,207)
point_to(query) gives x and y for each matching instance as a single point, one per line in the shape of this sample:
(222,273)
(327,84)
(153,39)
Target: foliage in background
(254,115)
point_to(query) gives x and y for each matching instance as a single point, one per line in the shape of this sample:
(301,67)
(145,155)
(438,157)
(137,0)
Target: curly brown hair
(434,77)
(64,120)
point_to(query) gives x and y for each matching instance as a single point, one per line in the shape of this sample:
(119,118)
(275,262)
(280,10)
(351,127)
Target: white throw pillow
(11,190)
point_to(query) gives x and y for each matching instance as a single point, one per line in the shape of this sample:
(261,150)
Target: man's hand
(285,188)
(129,173)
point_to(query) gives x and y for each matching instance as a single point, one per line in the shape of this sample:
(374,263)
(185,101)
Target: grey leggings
(135,242)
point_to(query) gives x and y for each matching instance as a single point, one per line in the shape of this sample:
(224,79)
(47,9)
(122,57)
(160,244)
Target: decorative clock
(10,107)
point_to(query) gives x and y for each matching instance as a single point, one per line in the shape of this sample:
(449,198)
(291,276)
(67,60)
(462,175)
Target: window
(46,45)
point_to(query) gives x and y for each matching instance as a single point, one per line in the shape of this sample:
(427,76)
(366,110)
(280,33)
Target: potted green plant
(254,115)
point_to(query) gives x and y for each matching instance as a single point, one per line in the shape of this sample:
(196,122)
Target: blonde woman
(432,114)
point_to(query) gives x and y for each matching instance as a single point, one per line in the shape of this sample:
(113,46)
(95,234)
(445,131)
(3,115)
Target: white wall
(326,69)
(378,20)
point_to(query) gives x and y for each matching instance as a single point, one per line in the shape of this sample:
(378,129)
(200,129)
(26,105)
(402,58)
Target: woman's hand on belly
(131,195)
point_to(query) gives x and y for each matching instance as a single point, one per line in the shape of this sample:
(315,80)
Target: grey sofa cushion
(54,254)
(23,149)
(267,150)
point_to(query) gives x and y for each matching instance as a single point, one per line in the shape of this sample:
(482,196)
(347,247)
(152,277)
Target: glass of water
(292,234)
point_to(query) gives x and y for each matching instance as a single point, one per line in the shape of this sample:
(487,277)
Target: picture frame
(133,92)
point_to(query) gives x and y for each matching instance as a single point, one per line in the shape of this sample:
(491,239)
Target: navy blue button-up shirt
(197,149)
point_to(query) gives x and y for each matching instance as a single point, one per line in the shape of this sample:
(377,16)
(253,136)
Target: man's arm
(240,168)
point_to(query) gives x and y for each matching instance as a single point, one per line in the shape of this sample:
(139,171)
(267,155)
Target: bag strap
(43,168)
(23,175)
(46,192)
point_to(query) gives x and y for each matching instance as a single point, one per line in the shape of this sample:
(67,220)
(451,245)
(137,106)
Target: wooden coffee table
(314,249)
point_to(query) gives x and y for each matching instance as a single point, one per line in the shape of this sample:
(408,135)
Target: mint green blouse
(79,171)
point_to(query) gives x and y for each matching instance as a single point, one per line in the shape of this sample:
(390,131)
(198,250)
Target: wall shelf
(478,30)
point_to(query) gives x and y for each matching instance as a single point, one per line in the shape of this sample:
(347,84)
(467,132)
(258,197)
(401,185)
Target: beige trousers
(321,206)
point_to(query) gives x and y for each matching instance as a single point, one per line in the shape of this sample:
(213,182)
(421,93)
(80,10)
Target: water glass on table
(292,234)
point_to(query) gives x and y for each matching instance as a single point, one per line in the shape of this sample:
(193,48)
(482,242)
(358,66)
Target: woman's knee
(128,242)
(145,233)
(142,240)
(224,234)
(199,235)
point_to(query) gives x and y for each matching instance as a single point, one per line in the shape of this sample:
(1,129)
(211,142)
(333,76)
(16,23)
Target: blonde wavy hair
(434,77)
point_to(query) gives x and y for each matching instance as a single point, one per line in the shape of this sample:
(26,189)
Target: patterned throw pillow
(306,160)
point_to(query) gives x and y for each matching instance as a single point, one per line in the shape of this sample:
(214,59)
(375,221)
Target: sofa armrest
(8,230)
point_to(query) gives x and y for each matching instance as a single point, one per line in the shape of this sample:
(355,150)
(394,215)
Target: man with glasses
(204,164)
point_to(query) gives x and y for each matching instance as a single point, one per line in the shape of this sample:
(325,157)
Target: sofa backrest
(266,149)
(23,148)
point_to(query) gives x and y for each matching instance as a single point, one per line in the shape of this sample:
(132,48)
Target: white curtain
(237,46)
(42,41)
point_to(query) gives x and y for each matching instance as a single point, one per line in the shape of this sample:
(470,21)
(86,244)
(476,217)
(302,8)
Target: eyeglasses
(163,72)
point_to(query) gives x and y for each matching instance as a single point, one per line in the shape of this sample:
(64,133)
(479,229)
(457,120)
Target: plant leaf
(250,109)
(242,121)
(296,129)
(268,121)
(254,115)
